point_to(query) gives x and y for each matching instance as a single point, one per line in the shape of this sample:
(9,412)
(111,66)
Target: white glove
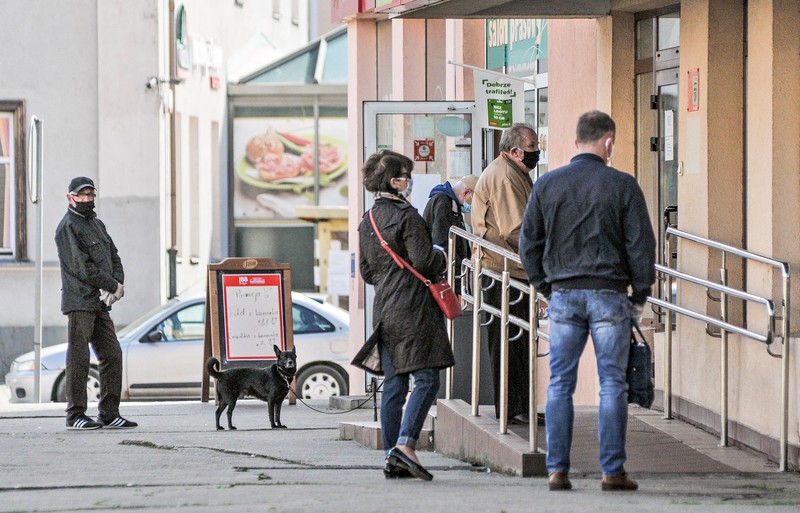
(108,298)
(636,313)
(119,292)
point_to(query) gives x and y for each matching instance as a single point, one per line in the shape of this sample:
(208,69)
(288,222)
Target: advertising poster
(273,160)
(499,100)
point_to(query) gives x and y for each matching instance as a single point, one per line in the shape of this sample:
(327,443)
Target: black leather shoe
(398,459)
(393,472)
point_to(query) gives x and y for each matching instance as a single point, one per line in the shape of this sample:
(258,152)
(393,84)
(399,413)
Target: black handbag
(639,375)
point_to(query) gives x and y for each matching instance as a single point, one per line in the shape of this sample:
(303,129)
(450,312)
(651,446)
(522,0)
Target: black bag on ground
(639,375)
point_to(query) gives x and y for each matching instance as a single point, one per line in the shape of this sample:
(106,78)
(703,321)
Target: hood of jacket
(444,188)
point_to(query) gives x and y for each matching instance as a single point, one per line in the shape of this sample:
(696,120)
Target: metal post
(667,336)
(504,355)
(533,350)
(476,329)
(723,371)
(451,251)
(35,152)
(784,446)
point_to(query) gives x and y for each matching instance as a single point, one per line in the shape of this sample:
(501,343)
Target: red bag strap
(397,258)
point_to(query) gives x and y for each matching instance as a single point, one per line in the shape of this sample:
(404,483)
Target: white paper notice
(669,139)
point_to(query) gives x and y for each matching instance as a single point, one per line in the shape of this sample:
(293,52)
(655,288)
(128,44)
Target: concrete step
(369,434)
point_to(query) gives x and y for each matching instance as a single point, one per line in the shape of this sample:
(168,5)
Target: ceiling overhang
(479,9)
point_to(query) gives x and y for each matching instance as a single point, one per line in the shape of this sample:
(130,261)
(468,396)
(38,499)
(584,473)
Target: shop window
(12,183)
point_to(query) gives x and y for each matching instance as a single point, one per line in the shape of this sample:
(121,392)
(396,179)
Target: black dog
(270,384)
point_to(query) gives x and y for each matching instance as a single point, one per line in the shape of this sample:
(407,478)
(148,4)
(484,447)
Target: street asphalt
(177,461)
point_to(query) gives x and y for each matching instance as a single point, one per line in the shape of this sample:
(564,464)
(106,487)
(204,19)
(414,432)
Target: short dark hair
(381,167)
(593,125)
(513,137)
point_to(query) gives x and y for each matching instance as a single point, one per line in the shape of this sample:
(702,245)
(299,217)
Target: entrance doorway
(657,164)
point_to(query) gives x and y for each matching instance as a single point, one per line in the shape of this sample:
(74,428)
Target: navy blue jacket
(586,226)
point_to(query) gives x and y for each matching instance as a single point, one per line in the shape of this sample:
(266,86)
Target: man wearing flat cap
(91,281)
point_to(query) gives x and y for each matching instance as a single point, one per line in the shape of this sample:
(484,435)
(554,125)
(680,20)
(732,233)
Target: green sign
(515,45)
(499,113)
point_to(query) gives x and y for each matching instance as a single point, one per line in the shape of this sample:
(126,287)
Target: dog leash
(369,397)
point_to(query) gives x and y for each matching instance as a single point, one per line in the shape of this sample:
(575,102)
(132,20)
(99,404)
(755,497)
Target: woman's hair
(593,125)
(381,167)
(514,137)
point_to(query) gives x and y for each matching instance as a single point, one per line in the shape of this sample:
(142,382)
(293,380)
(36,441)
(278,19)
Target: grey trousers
(94,328)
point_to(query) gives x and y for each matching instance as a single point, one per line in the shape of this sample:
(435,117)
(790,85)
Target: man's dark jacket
(586,226)
(89,262)
(442,211)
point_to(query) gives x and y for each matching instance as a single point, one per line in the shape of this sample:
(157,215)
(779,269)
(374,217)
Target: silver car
(163,355)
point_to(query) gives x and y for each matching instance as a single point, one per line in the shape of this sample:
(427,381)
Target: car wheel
(92,387)
(320,382)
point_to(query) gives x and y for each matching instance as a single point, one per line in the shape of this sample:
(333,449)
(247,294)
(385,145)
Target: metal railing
(768,336)
(470,273)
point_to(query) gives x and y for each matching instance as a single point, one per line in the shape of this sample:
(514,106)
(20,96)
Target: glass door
(437,136)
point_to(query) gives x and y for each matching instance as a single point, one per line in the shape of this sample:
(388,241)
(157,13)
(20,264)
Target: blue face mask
(466,208)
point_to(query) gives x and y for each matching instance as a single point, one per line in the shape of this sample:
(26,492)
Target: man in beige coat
(498,206)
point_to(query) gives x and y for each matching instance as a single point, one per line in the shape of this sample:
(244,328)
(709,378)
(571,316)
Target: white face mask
(407,192)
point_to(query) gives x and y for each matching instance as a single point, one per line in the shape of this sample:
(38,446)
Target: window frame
(19,248)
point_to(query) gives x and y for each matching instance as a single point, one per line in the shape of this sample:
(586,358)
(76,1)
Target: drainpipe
(173,250)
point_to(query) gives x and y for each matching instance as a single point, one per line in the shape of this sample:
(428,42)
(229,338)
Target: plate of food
(281,161)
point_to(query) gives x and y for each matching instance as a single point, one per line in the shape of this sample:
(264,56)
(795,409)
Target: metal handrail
(726,327)
(471,276)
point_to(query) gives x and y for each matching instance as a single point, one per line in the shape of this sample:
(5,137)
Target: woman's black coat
(406,318)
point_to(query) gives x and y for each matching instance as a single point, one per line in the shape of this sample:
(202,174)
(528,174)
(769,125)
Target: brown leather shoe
(558,481)
(619,483)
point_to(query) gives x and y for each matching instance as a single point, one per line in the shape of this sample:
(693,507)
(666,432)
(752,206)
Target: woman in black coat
(408,326)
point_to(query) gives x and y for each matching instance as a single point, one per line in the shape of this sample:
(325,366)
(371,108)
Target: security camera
(152,82)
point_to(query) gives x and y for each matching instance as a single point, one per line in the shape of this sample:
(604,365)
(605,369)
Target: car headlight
(21,366)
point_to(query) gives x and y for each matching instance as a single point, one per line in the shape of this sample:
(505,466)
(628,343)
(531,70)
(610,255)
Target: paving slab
(176,461)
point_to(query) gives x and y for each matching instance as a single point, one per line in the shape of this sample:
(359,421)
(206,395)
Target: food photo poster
(274,166)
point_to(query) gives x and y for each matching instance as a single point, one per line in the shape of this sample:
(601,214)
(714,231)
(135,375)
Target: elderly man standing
(498,205)
(91,281)
(586,239)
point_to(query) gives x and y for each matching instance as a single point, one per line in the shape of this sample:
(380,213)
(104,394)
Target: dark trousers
(94,328)
(518,367)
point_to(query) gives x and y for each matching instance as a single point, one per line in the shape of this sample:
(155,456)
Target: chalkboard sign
(249,311)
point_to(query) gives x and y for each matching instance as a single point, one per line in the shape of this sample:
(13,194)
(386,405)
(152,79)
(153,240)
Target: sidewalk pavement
(177,461)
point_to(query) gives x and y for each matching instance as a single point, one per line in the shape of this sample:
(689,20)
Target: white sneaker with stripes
(83,423)
(117,423)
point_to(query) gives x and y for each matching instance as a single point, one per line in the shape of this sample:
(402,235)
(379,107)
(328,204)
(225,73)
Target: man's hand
(119,292)
(636,313)
(108,298)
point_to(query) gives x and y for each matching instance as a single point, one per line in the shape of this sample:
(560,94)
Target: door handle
(654,144)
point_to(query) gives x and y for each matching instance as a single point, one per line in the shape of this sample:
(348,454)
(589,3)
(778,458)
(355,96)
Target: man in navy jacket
(586,239)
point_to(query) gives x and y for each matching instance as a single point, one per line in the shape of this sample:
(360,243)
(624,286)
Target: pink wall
(572,82)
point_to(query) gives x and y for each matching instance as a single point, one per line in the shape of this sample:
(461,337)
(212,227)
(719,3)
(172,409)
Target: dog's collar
(285,375)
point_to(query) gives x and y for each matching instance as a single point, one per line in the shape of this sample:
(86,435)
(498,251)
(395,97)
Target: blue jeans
(396,428)
(574,314)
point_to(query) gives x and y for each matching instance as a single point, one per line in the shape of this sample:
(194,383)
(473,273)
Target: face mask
(407,193)
(466,208)
(530,159)
(84,208)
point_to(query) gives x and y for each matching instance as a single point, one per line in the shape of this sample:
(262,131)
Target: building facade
(699,90)
(133,95)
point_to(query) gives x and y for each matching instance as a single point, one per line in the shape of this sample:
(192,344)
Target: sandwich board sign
(248,311)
